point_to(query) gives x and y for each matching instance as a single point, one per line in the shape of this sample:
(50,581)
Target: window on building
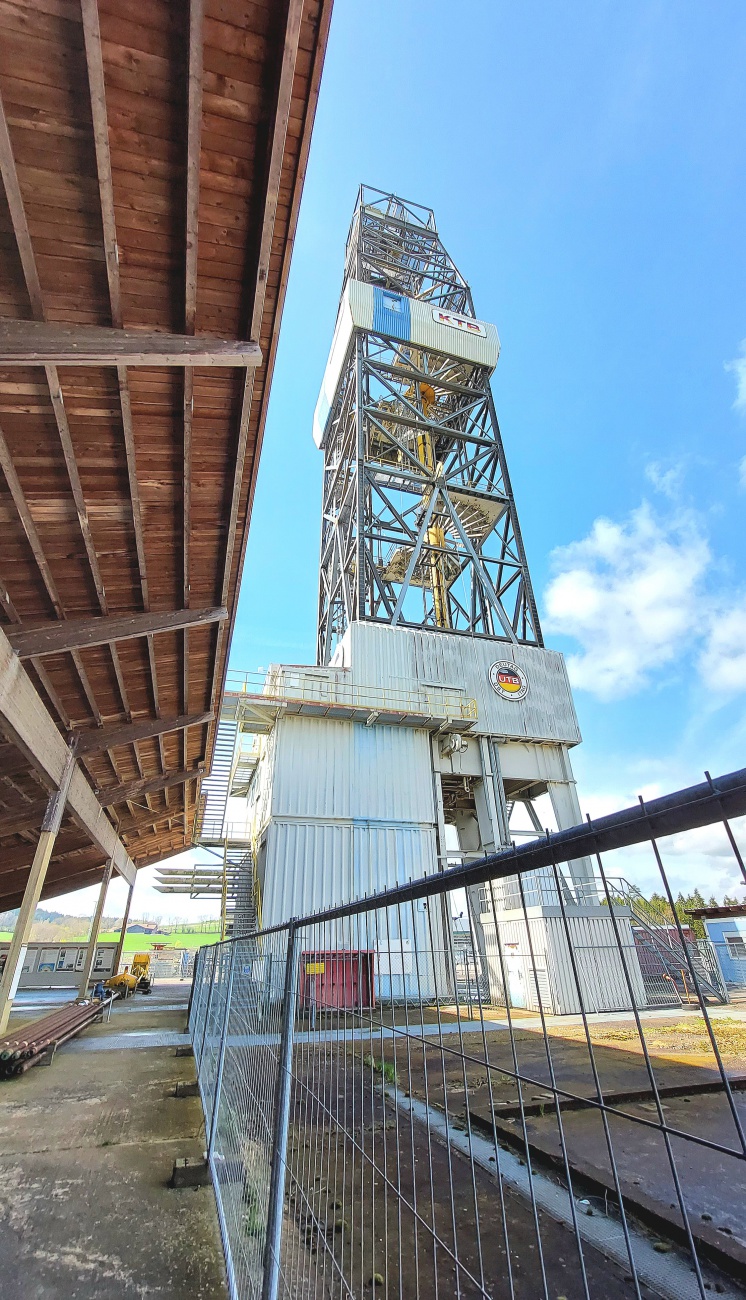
(736,945)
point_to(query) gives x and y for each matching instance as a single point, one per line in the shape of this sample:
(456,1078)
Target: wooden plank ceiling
(152,157)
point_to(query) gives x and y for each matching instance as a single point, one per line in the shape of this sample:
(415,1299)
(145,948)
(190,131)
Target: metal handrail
(308,685)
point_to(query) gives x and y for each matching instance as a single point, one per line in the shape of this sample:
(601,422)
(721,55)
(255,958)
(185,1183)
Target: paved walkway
(86,1150)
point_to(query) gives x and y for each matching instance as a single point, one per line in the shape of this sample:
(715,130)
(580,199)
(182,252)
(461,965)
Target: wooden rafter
(83,633)
(68,842)
(194,138)
(97,87)
(71,464)
(145,820)
(28,525)
(132,790)
(111,737)
(33,287)
(269,215)
(40,343)
(97,91)
(21,819)
(18,216)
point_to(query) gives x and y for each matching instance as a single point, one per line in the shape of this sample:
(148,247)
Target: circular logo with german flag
(508,681)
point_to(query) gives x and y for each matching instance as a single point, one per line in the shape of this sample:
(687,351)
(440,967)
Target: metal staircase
(657,934)
(233,881)
(210,815)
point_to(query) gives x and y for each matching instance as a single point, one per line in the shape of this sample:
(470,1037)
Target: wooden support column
(49,828)
(90,954)
(123,931)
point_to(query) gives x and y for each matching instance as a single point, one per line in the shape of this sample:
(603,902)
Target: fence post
(221,1055)
(213,972)
(281,1121)
(195,972)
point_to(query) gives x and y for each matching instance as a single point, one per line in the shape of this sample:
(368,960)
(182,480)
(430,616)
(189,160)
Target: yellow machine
(136,976)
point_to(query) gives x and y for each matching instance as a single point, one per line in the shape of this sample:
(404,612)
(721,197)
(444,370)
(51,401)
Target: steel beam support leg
(90,953)
(37,875)
(282,1118)
(564,797)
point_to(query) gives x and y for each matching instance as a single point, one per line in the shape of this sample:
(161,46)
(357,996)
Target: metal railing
(386,1115)
(332,687)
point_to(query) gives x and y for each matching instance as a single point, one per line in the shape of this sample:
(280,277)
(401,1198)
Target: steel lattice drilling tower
(434,718)
(419,525)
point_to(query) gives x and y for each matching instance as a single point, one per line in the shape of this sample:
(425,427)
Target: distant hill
(60,927)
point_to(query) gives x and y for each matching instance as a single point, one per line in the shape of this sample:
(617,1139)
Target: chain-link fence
(402,1103)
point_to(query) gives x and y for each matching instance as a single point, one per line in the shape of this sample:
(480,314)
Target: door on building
(515,967)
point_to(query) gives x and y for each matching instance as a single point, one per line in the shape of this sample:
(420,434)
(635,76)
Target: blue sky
(586,167)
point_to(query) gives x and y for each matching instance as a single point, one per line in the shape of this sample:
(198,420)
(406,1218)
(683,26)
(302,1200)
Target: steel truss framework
(419,526)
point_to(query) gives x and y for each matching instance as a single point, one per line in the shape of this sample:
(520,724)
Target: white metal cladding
(327,768)
(356,312)
(260,798)
(598,962)
(482,349)
(596,955)
(337,357)
(314,865)
(377,653)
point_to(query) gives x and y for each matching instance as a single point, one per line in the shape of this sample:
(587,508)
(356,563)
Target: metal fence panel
(393,1099)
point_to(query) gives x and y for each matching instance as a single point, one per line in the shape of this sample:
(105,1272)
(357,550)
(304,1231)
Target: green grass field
(179,939)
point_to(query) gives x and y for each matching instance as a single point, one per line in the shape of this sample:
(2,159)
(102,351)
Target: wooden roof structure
(152,157)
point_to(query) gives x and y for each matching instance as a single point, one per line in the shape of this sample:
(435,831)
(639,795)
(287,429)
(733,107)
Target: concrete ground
(87,1146)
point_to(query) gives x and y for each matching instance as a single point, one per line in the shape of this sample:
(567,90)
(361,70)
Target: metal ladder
(210,816)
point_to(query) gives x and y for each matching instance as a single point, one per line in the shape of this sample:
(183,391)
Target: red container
(339,980)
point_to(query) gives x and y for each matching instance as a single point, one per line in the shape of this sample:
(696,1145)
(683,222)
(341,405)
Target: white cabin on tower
(434,703)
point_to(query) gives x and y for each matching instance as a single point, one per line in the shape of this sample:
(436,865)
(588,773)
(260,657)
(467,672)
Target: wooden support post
(37,875)
(90,954)
(123,931)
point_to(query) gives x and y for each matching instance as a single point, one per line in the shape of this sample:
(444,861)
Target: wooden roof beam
(25,818)
(82,633)
(194,140)
(26,721)
(69,841)
(11,761)
(39,343)
(29,527)
(33,287)
(147,820)
(276,153)
(109,737)
(131,790)
(97,91)
(18,217)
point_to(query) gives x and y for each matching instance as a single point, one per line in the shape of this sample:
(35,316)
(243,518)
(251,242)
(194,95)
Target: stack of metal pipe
(27,1047)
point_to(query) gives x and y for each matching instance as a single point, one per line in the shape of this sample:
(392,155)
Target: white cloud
(723,658)
(666,481)
(631,594)
(742,473)
(738,368)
